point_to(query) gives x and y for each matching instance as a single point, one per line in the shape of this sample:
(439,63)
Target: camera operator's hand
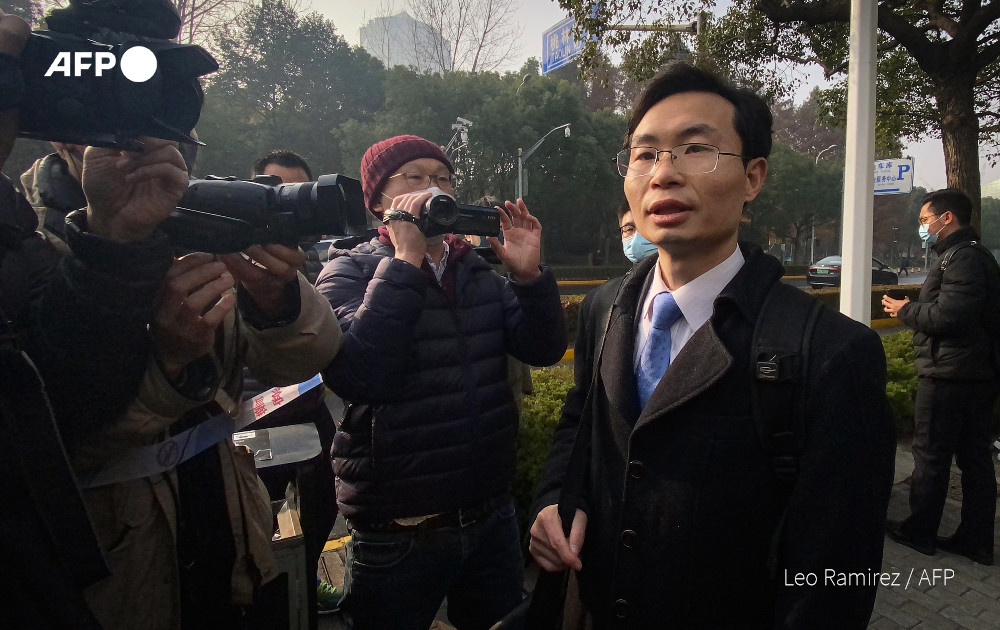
(406,237)
(265,274)
(13,35)
(196,298)
(521,250)
(129,194)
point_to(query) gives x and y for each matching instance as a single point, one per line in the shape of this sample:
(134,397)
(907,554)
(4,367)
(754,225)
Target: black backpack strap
(950,252)
(780,363)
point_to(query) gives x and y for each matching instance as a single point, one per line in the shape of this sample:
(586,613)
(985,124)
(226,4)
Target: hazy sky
(535,16)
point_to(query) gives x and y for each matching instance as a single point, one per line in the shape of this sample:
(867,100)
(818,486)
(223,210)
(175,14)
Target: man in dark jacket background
(954,322)
(679,502)
(425,453)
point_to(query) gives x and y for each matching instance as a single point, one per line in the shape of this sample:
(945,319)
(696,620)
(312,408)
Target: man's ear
(756,173)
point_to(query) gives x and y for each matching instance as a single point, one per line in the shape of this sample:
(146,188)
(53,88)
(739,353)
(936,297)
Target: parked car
(826,273)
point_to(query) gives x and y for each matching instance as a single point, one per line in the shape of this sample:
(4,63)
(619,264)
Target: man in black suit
(679,505)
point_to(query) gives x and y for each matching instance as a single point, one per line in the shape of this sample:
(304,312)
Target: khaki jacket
(136,520)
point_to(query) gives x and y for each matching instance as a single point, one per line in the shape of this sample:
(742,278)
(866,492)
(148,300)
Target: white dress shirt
(695,300)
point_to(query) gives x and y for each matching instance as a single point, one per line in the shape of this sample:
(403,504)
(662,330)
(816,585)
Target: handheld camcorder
(224,215)
(74,82)
(442,215)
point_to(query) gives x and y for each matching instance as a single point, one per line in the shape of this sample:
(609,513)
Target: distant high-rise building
(402,40)
(992,189)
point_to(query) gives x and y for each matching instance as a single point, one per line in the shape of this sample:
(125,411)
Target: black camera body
(69,85)
(443,215)
(223,215)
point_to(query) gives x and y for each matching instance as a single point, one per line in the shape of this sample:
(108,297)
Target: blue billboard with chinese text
(559,46)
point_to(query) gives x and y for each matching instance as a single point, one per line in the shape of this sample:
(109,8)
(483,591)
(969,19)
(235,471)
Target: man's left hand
(522,234)
(265,274)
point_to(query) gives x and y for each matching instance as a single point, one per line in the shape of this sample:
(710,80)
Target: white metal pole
(859,173)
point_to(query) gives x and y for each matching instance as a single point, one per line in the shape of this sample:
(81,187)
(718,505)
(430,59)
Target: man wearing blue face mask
(955,347)
(635,246)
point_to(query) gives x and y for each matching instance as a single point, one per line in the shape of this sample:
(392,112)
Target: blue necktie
(655,356)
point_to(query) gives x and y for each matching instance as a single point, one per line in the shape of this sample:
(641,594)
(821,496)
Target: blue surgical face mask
(925,233)
(636,247)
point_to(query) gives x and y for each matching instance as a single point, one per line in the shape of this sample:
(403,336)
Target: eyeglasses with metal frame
(422,181)
(690,158)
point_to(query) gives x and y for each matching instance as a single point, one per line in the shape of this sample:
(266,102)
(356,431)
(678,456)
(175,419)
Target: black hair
(288,159)
(753,120)
(622,209)
(950,200)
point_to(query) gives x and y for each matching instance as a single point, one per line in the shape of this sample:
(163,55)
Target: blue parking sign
(893,176)
(559,46)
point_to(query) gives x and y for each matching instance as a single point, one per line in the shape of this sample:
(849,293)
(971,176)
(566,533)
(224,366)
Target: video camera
(70,85)
(442,215)
(223,215)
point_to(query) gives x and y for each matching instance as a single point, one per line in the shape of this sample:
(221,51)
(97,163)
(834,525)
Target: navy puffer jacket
(432,425)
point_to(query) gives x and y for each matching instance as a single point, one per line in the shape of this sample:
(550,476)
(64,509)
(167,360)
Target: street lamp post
(522,157)
(812,243)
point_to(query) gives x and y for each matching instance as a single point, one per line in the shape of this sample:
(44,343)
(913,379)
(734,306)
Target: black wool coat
(681,497)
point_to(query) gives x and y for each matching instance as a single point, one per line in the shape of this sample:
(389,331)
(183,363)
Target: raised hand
(522,234)
(407,239)
(129,194)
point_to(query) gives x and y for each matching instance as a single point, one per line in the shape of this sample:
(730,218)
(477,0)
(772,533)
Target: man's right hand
(409,242)
(549,546)
(129,194)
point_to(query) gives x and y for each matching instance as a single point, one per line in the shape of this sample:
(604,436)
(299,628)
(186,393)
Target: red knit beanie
(383,158)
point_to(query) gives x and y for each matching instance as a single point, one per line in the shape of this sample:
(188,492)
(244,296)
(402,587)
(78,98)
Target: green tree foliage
(939,62)
(285,81)
(571,184)
(894,231)
(798,193)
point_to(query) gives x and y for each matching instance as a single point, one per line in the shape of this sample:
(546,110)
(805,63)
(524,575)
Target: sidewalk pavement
(939,592)
(945,591)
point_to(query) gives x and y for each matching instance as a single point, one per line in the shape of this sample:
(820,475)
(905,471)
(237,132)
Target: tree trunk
(960,137)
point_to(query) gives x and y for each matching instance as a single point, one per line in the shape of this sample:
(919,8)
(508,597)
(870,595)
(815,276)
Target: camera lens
(442,209)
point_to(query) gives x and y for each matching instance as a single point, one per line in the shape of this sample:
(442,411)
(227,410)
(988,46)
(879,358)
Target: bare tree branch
(473,35)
